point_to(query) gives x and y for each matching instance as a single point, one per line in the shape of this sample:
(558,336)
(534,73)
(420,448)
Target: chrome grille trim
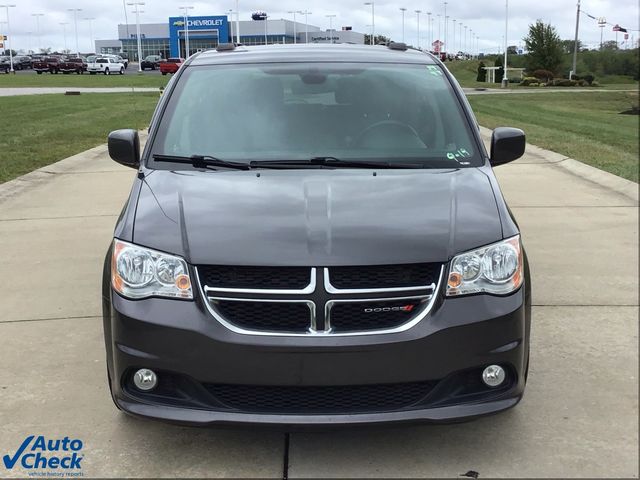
(236,329)
(312,331)
(426,303)
(354,291)
(310,288)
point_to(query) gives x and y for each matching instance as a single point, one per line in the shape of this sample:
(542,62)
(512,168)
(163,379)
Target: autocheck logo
(39,453)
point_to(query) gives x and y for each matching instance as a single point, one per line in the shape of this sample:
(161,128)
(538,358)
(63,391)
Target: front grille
(320,400)
(384,276)
(274,278)
(364,316)
(267,316)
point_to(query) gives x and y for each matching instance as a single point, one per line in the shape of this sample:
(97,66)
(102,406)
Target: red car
(171,65)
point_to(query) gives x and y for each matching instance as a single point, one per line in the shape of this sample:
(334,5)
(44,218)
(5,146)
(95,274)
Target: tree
(567,46)
(45,50)
(500,72)
(13,52)
(610,45)
(512,50)
(544,48)
(482,73)
(379,39)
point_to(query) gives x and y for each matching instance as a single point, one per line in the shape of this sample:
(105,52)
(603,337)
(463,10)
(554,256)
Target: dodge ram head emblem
(403,308)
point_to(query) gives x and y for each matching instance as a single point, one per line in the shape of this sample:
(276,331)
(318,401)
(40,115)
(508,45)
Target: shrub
(582,83)
(536,84)
(526,81)
(545,75)
(563,82)
(589,79)
(595,84)
(482,73)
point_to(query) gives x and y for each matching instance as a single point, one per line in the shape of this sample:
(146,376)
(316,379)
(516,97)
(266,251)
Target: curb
(605,179)
(44,174)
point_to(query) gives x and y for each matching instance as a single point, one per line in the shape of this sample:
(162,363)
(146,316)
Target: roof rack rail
(225,47)
(397,46)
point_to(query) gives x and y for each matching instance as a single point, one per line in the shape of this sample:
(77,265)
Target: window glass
(300,111)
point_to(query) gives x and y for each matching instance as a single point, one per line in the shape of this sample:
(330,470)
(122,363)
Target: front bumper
(181,337)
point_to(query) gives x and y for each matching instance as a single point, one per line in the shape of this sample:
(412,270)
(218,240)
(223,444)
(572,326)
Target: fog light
(493,375)
(145,379)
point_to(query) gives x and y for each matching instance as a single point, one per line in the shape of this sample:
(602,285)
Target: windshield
(298,111)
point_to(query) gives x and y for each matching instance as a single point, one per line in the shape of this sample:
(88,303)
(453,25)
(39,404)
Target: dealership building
(168,39)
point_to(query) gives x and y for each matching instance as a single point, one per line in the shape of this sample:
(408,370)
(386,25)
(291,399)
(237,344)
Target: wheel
(106,71)
(92,73)
(164,73)
(122,71)
(38,72)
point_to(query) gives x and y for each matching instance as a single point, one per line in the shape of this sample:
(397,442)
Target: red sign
(616,28)
(437,45)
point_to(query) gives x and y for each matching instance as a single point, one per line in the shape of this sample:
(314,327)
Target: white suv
(105,65)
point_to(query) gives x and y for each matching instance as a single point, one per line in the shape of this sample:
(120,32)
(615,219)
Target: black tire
(122,71)
(107,72)
(164,73)
(39,72)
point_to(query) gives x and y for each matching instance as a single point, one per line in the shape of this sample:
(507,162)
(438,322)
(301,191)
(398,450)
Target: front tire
(106,71)
(122,71)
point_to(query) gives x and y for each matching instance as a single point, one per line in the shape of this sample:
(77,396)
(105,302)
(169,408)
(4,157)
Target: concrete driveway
(579,417)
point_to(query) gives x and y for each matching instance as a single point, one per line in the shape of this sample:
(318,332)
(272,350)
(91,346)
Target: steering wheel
(393,128)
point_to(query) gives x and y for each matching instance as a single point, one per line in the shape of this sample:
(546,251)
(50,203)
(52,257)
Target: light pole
(38,15)
(373,22)
(331,17)
(505,78)
(575,43)
(402,9)
(418,12)
(460,41)
(306,14)
(75,23)
(266,17)
(64,32)
(185,14)
(429,30)
(295,30)
(137,12)
(446,21)
(7,7)
(90,20)
(465,40)
(453,42)
(602,22)
(237,22)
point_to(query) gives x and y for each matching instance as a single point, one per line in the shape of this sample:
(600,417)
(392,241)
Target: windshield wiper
(201,161)
(332,162)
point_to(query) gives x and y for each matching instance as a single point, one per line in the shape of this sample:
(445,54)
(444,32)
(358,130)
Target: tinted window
(102,60)
(299,111)
(174,60)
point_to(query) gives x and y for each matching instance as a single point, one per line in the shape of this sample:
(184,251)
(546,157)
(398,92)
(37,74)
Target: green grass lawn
(42,129)
(129,79)
(584,126)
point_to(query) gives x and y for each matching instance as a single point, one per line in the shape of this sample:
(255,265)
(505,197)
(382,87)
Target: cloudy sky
(485,18)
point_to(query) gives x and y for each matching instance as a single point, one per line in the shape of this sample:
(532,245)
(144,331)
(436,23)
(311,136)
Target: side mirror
(124,147)
(507,144)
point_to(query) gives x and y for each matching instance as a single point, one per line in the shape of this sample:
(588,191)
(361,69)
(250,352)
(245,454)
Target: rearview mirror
(507,144)
(124,147)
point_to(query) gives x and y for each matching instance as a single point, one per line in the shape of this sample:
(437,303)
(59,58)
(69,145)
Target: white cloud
(485,18)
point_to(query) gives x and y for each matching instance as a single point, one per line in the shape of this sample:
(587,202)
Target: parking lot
(578,418)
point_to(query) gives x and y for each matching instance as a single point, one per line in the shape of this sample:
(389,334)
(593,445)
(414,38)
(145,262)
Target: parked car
(171,65)
(105,65)
(47,64)
(73,65)
(5,64)
(151,62)
(315,235)
(21,62)
(118,59)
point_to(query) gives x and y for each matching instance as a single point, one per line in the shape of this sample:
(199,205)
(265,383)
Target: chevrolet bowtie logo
(178,23)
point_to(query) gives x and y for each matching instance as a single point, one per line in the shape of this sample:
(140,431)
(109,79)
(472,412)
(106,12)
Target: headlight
(138,272)
(493,269)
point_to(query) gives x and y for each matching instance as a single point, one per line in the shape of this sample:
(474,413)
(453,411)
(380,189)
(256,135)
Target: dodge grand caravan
(315,236)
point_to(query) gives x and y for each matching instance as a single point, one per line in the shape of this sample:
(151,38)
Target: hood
(316,217)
